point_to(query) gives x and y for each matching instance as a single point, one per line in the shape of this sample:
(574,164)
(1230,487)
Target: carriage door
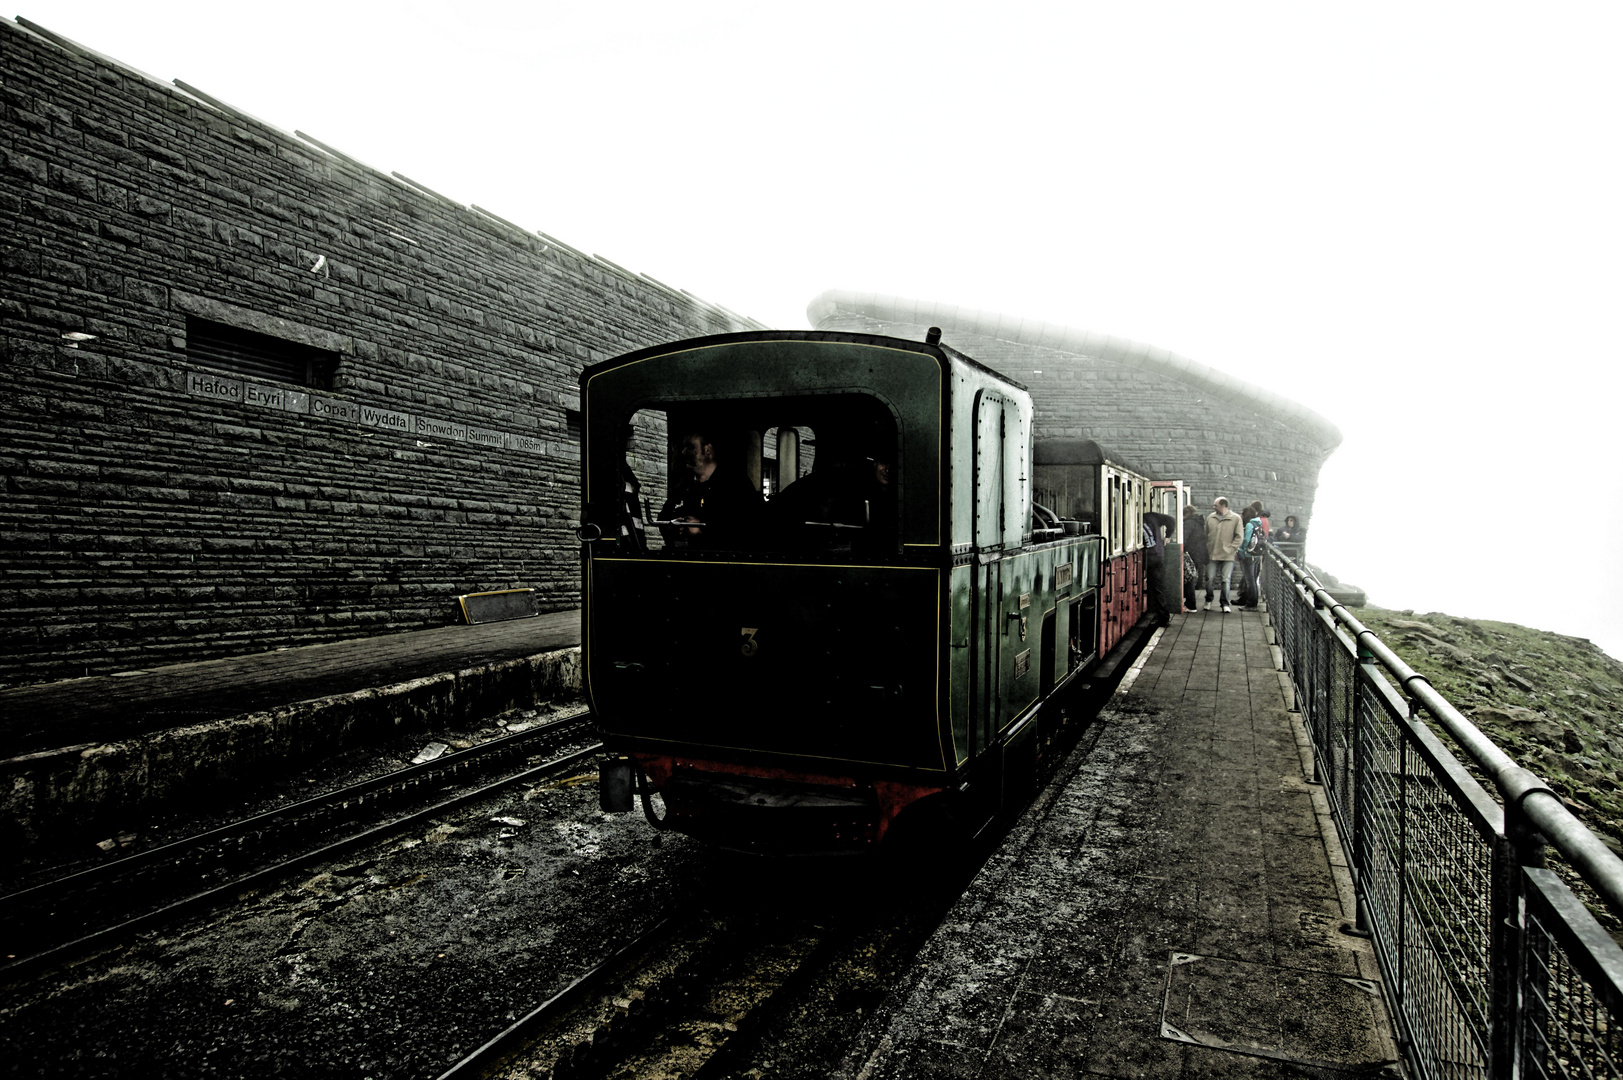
(991,511)
(1169,497)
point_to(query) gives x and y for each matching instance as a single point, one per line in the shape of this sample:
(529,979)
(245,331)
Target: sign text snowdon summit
(224,389)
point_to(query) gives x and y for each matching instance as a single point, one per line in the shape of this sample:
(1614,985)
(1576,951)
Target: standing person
(1256,563)
(1155,554)
(1248,565)
(1195,555)
(721,507)
(1291,532)
(1223,535)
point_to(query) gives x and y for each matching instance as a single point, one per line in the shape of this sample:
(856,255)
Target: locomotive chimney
(934,336)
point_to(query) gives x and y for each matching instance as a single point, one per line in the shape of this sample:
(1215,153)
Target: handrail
(1517,786)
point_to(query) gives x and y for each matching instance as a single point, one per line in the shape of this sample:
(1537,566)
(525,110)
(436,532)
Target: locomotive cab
(745,650)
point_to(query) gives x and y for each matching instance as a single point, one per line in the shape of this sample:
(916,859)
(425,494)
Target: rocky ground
(391,964)
(1554,703)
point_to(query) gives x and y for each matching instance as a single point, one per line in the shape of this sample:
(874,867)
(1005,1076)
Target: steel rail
(293,814)
(1517,786)
(514,1038)
(270,873)
(722,1057)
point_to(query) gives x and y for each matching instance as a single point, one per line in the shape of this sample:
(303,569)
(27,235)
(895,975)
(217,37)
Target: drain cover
(1307,1017)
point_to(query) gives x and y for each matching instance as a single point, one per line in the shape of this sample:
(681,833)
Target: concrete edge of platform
(47,792)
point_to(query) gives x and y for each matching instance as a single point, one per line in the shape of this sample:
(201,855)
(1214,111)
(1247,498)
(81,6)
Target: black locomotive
(857,618)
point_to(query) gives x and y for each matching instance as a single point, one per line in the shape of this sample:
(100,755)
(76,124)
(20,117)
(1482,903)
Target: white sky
(1405,216)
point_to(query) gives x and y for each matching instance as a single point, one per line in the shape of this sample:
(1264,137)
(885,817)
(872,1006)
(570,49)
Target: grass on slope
(1553,703)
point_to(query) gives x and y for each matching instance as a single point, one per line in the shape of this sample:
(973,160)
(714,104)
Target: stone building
(1164,413)
(257,393)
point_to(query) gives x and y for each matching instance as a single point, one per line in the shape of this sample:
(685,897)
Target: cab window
(788,477)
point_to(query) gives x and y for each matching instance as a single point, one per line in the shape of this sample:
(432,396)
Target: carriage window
(776,476)
(1068,491)
(1135,528)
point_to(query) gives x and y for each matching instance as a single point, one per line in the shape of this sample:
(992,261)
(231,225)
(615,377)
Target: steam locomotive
(870,621)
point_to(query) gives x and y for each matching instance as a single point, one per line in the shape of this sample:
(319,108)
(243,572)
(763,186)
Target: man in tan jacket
(1223,533)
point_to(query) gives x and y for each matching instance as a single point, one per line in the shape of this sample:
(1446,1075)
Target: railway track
(680,1000)
(743,960)
(94,907)
(727,984)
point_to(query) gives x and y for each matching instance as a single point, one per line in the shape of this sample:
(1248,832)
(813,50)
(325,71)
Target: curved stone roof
(952,318)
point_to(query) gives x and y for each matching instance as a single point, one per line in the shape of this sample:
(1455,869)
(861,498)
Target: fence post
(1363,677)
(1317,715)
(1401,931)
(1512,1002)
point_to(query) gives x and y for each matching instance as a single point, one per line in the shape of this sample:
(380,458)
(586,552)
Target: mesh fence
(1422,835)
(1572,1019)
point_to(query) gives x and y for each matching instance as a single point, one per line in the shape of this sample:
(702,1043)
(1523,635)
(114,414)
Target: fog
(1405,217)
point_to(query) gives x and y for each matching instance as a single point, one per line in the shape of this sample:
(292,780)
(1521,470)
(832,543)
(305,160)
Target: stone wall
(1218,440)
(158,508)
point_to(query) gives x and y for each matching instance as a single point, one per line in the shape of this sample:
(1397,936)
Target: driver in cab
(713,507)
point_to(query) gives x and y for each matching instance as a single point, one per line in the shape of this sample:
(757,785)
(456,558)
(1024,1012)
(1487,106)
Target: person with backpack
(1251,542)
(1223,536)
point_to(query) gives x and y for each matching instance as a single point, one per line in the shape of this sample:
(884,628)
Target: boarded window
(259,356)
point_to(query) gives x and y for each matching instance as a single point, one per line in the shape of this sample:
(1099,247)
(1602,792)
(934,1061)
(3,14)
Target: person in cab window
(631,536)
(877,493)
(720,507)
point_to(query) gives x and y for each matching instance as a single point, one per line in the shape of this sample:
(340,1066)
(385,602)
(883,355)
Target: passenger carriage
(863,654)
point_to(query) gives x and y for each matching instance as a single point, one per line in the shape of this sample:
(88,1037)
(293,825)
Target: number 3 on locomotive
(751,646)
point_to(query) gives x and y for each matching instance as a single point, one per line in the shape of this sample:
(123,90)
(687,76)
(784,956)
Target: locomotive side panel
(960,704)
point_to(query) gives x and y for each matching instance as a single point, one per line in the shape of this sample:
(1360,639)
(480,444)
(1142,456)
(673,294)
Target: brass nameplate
(1062,575)
(1025,600)
(1022,663)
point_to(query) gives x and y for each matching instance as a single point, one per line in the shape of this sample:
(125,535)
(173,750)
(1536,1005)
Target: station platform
(1171,905)
(83,750)
(138,701)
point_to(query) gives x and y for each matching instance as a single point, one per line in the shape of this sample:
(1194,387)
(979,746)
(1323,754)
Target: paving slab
(1170,906)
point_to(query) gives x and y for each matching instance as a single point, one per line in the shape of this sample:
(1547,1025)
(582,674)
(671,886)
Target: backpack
(1254,545)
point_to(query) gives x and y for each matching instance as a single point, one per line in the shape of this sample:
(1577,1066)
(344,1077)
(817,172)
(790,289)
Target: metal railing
(1493,967)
